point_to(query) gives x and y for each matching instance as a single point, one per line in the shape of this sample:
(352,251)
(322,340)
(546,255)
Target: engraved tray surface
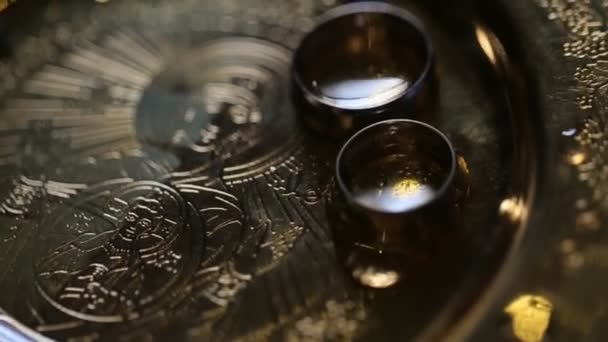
(156,183)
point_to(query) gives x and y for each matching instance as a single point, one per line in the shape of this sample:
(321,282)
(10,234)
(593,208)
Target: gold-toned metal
(83,117)
(515,209)
(577,158)
(530,316)
(406,188)
(5,3)
(484,40)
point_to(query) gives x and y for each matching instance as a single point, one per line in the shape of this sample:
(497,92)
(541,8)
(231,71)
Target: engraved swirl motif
(156,171)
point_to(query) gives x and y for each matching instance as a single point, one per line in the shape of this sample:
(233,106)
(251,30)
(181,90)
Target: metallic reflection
(491,47)
(514,209)
(376,278)
(577,158)
(589,221)
(11,330)
(5,3)
(364,87)
(531,316)
(463,165)
(484,38)
(406,187)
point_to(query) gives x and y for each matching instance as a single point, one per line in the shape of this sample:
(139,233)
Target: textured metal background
(157,183)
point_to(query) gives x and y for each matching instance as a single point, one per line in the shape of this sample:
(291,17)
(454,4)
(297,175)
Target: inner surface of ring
(369,59)
(396,166)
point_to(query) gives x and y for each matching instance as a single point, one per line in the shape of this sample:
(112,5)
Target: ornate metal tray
(156,183)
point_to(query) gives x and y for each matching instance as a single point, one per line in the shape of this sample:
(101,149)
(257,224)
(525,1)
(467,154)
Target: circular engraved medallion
(118,255)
